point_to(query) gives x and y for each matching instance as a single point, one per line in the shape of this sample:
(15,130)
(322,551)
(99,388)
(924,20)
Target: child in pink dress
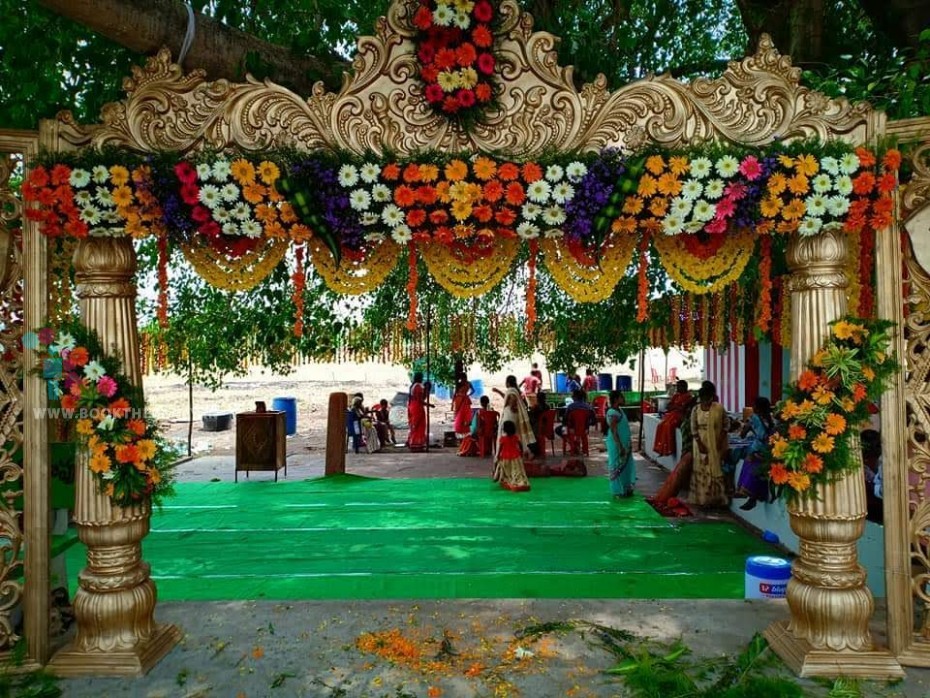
(508,465)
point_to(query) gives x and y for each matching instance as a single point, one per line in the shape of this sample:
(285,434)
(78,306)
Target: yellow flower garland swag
(464,271)
(586,282)
(817,437)
(699,274)
(354,274)
(234,273)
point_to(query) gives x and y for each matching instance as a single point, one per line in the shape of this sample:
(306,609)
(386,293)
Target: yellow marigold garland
(586,283)
(234,274)
(469,275)
(698,275)
(354,276)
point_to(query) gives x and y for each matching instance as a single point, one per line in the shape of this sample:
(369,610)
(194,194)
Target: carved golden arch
(757,101)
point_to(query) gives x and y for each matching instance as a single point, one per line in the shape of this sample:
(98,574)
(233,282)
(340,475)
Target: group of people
(370,428)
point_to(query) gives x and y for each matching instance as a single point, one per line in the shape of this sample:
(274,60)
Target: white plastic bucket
(767,577)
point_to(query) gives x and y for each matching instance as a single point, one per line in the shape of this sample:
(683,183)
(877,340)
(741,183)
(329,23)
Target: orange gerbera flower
(648,185)
(655,164)
(770,206)
(411,173)
(777,183)
(822,395)
(859,392)
(268,172)
(438,217)
(795,209)
(461,210)
(68,401)
(287,213)
(868,373)
(624,224)
(485,168)
(812,463)
(658,207)
(127,453)
(429,173)
(253,192)
(796,432)
(508,171)
(799,481)
(442,191)
(778,473)
(119,175)
(483,213)
(122,196)
(806,165)
(866,157)
(136,426)
(85,427)
(799,184)
(632,205)
(266,213)
(404,196)
(493,191)
(456,170)
(426,194)
(119,408)
(835,424)
(242,171)
(779,447)
(822,443)
(531,172)
(416,217)
(505,216)
(390,172)
(808,380)
(669,184)
(864,183)
(515,195)
(79,356)
(100,463)
(892,159)
(678,165)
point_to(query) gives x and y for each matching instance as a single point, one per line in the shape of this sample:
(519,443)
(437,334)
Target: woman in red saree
(416,414)
(664,444)
(461,406)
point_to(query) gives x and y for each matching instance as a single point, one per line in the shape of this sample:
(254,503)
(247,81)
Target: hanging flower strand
(413,278)
(299,278)
(531,288)
(642,305)
(764,316)
(163,281)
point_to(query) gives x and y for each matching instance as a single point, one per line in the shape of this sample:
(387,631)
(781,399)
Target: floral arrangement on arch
(126,452)
(454,49)
(820,418)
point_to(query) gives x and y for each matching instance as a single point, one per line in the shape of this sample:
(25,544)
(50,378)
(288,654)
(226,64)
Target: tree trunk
(223,52)
(900,20)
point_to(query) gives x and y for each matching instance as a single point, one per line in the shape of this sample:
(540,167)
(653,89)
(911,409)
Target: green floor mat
(349,537)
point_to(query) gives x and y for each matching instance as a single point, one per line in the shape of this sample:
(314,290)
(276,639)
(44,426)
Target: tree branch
(222,51)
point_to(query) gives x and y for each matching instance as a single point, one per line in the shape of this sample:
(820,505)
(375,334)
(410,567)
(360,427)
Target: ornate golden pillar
(115,602)
(831,606)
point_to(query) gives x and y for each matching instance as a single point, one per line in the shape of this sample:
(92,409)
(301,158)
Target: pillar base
(69,662)
(805,660)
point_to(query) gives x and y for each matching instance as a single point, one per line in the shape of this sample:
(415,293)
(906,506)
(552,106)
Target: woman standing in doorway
(708,428)
(416,414)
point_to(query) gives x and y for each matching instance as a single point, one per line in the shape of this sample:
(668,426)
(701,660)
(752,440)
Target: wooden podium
(260,443)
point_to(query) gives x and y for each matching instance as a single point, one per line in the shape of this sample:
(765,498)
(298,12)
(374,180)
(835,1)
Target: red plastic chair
(600,412)
(487,432)
(576,434)
(546,432)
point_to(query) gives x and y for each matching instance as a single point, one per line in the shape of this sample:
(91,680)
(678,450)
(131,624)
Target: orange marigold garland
(675,320)
(163,281)
(764,314)
(531,288)
(705,320)
(866,265)
(642,305)
(412,280)
(687,333)
(299,278)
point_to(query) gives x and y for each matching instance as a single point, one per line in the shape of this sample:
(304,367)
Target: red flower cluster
(57,212)
(454,48)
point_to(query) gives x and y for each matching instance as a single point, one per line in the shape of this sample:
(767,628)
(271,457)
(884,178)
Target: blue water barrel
(288,405)
(561,382)
(441,392)
(605,381)
(477,386)
(625,384)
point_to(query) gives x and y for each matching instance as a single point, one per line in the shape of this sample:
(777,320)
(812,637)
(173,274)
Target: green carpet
(349,537)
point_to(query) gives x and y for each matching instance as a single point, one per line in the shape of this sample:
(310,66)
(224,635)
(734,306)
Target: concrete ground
(461,647)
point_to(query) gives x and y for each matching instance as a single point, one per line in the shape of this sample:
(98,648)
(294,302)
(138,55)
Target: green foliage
(35,684)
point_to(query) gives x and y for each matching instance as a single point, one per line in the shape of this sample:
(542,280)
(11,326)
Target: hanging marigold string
(642,305)
(412,279)
(531,288)
(163,281)
(705,320)
(777,312)
(785,333)
(687,335)
(675,320)
(866,265)
(764,308)
(853,262)
(299,279)
(734,301)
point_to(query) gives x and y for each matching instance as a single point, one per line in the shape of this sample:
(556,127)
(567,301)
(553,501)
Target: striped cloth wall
(742,373)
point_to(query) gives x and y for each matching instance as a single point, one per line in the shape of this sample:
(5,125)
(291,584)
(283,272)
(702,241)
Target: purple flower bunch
(746,210)
(166,189)
(313,187)
(587,219)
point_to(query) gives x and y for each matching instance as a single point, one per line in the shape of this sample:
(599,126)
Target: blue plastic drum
(561,382)
(288,405)
(625,384)
(605,381)
(477,386)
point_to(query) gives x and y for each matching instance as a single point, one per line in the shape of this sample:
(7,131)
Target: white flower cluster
(455,13)
(545,210)
(93,195)
(222,196)
(828,202)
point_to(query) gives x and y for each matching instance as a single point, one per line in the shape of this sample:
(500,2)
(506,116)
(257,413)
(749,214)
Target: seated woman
(664,444)
(382,414)
(370,438)
(680,477)
(753,483)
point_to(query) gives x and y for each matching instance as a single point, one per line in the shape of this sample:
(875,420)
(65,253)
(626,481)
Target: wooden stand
(260,443)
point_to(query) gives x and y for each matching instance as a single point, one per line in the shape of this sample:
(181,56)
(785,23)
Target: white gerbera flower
(531,211)
(90,215)
(251,229)
(369,172)
(714,189)
(554,215)
(443,15)
(462,20)
(241,211)
(539,191)
(103,196)
(681,207)
(100,232)
(831,165)
(672,225)
(230,228)
(563,192)
(837,206)
(221,215)
(107,423)
(844,185)
(380,193)
(360,199)
(527,230)
(63,342)
(392,216)
(229,192)
(694,227)
(816,204)
(348,176)
(100,174)
(401,234)
(210,196)
(221,170)
(552,233)
(810,226)
(700,167)
(94,371)
(575,171)
(374,237)
(108,475)
(110,217)
(83,198)
(79,178)
(727,166)
(822,183)
(692,189)
(368,218)
(849,163)
(832,225)
(703,210)
(204,171)
(554,173)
